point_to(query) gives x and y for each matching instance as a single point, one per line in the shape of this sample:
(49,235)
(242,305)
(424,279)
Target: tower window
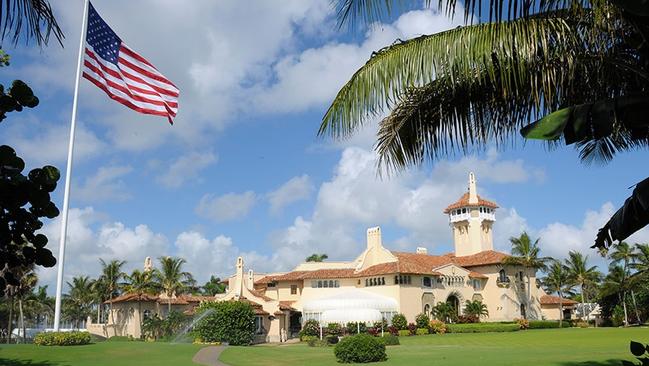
(502,276)
(293,289)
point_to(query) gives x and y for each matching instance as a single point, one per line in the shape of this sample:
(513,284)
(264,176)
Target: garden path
(209,356)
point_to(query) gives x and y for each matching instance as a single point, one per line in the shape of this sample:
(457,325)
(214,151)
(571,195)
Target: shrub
(412,328)
(481,328)
(437,326)
(317,342)
(545,324)
(62,338)
(306,338)
(404,333)
(393,330)
(421,331)
(390,340)
(334,329)
(373,331)
(311,328)
(227,321)
(383,324)
(467,319)
(422,320)
(332,339)
(399,321)
(523,323)
(581,324)
(361,348)
(353,327)
(120,339)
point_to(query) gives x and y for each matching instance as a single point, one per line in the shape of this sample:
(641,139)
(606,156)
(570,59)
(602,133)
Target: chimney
(473,194)
(422,250)
(374,238)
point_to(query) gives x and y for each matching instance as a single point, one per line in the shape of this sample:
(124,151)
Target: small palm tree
(141,283)
(579,273)
(625,255)
(476,308)
(112,276)
(78,301)
(526,253)
(445,312)
(172,279)
(316,257)
(557,282)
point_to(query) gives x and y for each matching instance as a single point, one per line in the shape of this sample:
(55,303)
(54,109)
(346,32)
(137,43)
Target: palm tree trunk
(168,305)
(583,309)
(583,298)
(139,309)
(99,312)
(10,321)
(529,295)
(560,311)
(635,306)
(22,317)
(626,318)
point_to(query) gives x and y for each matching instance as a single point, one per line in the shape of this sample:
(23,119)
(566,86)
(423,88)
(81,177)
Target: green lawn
(100,354)
(560,347)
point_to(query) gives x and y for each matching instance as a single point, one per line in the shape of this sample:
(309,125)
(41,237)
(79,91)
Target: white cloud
(294,190)
(230,206)
(104,185)
(185,168)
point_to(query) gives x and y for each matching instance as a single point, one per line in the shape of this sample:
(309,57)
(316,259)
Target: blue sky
(242,171)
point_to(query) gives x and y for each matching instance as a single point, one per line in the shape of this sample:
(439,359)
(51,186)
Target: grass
(100,354)
(557,347)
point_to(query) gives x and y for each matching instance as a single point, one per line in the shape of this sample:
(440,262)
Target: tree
(556,281)
(526,253)
(213,286)
(111,276)
(554,70)
(35,15)
(172,279)
(641,264)
(316,257)
(616,284)
(580,274)
(625,254)
(77,303)
(476,308)
(141,283)
(445,312)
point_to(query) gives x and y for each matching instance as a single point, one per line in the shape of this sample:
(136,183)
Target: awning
(341,316)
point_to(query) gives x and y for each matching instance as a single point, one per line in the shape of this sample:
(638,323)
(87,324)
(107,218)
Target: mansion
(377,284)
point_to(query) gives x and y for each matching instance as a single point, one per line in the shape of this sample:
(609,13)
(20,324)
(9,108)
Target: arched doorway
(454,302)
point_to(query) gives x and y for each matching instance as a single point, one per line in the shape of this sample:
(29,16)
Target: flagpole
(68,173)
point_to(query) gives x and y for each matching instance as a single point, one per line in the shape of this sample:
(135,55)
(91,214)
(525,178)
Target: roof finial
(473,190)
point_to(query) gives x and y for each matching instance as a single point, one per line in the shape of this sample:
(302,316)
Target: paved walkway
(209,356)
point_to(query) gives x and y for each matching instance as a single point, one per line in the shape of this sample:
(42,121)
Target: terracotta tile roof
(197,298)
(473,274)
(480,259)
(554,300)
(266,279)
(174,301)
(278,313)
(319,273)
(464,202)
(287,305)
(260,311)
(421,263)
(260,295)
(132,297)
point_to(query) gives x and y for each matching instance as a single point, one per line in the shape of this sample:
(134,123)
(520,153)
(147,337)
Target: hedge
(62,338)
(404,333)
(227,321)
(481,328)
(360,348)
(545,324)
(390,339)
(422,331)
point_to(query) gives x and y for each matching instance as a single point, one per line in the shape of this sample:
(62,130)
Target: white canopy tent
(350,306)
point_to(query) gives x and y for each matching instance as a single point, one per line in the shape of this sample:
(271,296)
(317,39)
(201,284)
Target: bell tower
(471,219)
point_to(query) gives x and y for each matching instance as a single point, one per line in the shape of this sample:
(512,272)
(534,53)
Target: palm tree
(564,64)
(213,286)
(40,305)
(580,274)
(171,278)
(99,292)
(78,300)
(525,253)
(557,282)
(616,283)
(641,264)
(111,276)
(625,254)
(316,257)
(35,15)
(445,312)
(140,283)
(476,308)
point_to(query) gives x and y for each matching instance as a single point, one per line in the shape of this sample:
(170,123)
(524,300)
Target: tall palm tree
(616,283)
(100,292)
(526,253)
(31,18)
(172,279)
(641,264)
(556,281)
(572,66)
(625,255)
(79,299)
(141,283)
(316,257)
(112,276)
(40,305)
(579,273)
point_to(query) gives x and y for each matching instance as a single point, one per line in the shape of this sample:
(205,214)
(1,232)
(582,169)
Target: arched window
(502,276)
(382,280)
(367,282)
(427,309)
(331,283)
(396,280)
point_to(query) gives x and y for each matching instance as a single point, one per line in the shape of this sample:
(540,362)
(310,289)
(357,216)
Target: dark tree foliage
(226,321)
(24,199)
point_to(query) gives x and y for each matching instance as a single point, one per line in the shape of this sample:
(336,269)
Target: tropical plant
(77,303)
(476,308)
(625,255)
(579,68)
(226,321)
(640,351)
(32,19)
(580,274)
(399,321)
(422,320)
(213,286)
(316,257)
(616,284)
(172,279)
(111,276)
(445,312)
(526,253)
(141,284)
(360,348)
(556,281)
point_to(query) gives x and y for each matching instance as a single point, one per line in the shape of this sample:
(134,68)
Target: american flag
(123,74)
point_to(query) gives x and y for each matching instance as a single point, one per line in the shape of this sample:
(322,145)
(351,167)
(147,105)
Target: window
(427,309)
(382,280)
(314,284)
(319,284)
(426,282)
(396,280)
(521,276)
(404,280)
(477,284)
(259,325)
(147,314)
(271,284)
(502,276)
(293,289)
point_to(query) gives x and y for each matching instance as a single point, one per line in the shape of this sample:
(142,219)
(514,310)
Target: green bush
(334,329)
(353,327)
(361,348)
(306,338)
(390,339)
(481,328)
(332,339)
(311,328)
(437,326)
(228,321)
(317,342)
(404,333)
(422,331)
(546,324)
(399,321)
(422,320)
(62,338)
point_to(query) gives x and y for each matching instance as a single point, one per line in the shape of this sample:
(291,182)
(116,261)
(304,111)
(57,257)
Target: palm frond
(33,19)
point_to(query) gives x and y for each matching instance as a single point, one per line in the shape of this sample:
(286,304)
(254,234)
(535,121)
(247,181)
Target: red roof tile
(480,259)
(132,297)
(287,305)
(260,295)
(477,275)
(554,300)
(464,202)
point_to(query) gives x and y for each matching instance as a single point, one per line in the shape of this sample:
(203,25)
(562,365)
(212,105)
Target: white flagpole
(68,173)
